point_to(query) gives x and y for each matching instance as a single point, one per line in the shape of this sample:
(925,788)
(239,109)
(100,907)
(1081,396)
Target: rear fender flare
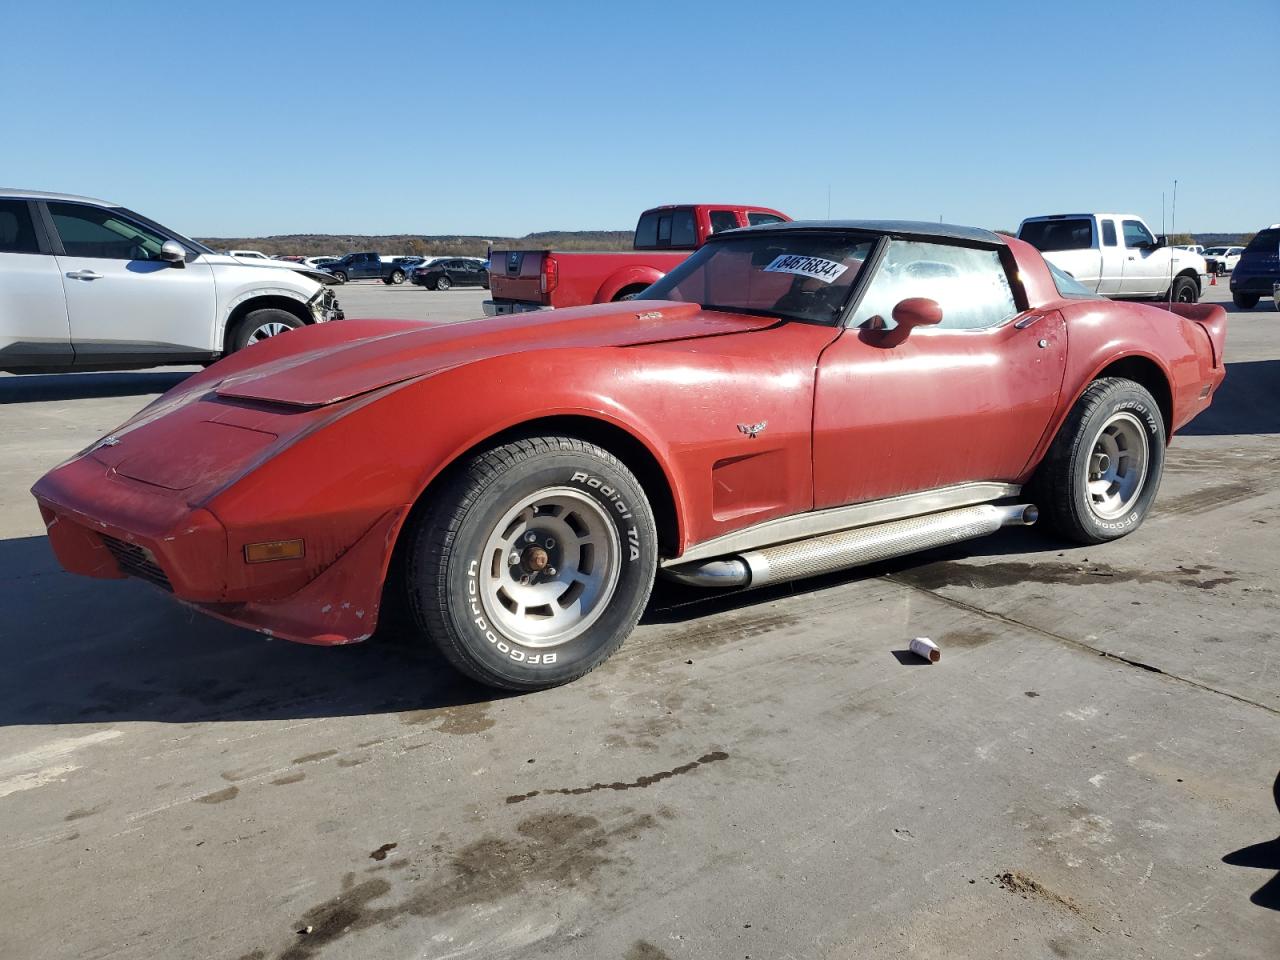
(627,277)
(1103,367)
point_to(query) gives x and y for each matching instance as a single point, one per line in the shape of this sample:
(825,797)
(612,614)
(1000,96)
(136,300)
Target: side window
(1108,233)
(684,232)
(1135,235)
(102,234)
(970,285)
(754,219)
(723,220)
(17,234)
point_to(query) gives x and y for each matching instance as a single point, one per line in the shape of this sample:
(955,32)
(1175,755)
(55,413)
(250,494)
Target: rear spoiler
(1212,319)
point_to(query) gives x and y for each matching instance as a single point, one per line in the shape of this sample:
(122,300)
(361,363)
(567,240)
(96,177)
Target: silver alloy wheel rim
(268,330)
(397,277)
(442,283)
(1116,471)
(550,567)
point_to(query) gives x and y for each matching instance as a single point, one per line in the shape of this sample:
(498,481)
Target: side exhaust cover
(852,548)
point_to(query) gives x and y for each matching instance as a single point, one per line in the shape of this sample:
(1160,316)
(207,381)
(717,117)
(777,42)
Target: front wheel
(1245,301)
(1101,474)
(257,325)
(533,563)
(340,276)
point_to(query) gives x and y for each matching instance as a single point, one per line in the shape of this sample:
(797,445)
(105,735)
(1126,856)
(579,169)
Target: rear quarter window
(1266,240)
(1068,234)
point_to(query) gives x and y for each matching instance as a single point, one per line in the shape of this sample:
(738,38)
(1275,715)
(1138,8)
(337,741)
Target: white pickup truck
(1116,255)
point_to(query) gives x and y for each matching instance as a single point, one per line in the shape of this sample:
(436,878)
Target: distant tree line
(403,244)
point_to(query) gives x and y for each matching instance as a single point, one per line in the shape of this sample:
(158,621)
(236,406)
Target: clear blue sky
(244,119)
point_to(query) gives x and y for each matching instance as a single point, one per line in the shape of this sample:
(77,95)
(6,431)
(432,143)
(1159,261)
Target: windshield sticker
(813,267)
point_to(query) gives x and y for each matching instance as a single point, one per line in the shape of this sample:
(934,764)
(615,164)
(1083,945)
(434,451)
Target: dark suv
(1258,271)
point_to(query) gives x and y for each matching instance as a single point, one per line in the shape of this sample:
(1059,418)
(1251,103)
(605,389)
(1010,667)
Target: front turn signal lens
(273,550)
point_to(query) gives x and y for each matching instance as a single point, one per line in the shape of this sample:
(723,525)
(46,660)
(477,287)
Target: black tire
(397,277)
(450,573)
(1184,290)
(262,324)
(1060,484)
(340,276)
(443,283)
(629,293)
(1245,301)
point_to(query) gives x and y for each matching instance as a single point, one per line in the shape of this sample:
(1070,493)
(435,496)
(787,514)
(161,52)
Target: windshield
(799,276)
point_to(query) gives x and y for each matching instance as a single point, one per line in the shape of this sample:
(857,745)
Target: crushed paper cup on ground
(925,648)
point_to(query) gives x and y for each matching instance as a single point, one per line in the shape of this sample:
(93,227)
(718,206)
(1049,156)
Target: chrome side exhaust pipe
(852,548)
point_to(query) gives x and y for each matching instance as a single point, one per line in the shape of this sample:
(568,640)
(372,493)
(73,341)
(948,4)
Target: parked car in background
(248,255)
(366,266)
(1258,270)
(1193,247)
(792,400)
(524,280)
(317,262)
(1222,259)
(1116,255)
(90,285)
(452,272)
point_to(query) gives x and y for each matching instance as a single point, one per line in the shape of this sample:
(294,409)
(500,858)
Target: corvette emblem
(753,430)
(106,442)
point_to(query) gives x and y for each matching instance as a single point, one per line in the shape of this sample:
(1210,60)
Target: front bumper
(128,531)
(498,308)
(324,306)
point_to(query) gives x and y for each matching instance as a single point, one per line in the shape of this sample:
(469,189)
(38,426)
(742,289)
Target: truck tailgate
(517,275)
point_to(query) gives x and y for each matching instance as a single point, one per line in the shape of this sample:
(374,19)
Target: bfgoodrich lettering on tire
(532,563)
(1102,472)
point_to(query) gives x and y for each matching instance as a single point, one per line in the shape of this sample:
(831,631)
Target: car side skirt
(815,523)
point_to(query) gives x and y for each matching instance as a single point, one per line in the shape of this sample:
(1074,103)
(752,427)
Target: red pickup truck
(534,279)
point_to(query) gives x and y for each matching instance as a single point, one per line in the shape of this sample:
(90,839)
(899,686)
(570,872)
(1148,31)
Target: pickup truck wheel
(1245,301)
(443,283)
(340,276)
(533,563)
(1184,290)
(262,325)
(1102,471)
(397,276)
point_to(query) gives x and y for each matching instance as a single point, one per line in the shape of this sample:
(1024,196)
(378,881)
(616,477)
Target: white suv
(89,285)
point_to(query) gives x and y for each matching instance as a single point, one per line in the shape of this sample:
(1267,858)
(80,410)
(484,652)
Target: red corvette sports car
(792,399)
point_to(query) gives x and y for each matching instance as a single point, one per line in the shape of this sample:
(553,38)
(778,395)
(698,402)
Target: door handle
(84,275)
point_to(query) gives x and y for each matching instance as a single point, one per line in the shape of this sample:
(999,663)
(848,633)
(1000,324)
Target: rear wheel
(262,324)
(628,293)
(1103,470)
(443,283)
(533,563)
(1184,290)
(1245,301)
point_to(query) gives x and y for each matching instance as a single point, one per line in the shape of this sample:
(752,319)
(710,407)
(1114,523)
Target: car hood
(315,377)
(311,273)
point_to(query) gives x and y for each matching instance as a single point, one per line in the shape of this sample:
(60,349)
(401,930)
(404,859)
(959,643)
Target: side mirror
(1160,242)
(173,252)
(916,312)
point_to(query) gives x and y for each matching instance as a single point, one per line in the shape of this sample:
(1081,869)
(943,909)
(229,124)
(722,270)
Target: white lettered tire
(532,562)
